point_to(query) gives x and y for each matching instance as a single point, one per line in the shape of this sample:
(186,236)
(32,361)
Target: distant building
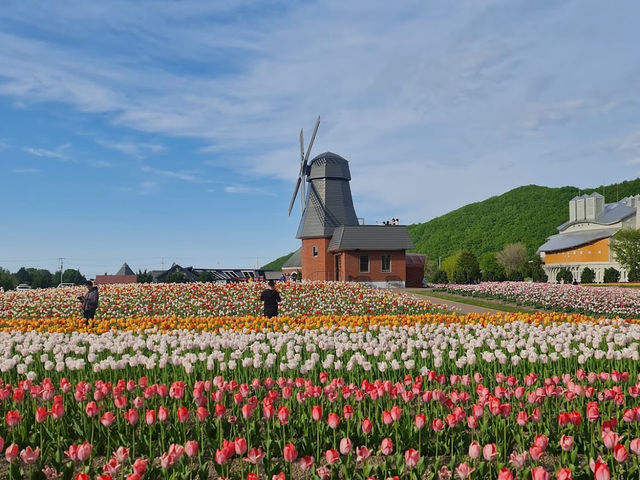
(584,240)
(124,275)
(217,275)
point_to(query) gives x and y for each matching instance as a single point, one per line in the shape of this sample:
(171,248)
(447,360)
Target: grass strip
(477,303)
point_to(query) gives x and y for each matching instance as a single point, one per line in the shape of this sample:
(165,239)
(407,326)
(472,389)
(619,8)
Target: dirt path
(449,304)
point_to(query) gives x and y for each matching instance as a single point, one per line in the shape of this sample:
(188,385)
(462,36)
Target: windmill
(304,158)
(327,203)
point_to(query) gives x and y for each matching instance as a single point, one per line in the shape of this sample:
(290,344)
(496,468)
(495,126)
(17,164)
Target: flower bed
(610,301)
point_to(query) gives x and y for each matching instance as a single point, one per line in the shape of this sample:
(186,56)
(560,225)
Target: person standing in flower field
(271,297)
(89,301)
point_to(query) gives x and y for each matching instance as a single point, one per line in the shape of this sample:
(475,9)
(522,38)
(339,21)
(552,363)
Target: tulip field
(189,381)
(609,300)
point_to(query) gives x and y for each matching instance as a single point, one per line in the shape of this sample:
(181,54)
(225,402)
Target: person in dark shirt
(89,301)
(271,297)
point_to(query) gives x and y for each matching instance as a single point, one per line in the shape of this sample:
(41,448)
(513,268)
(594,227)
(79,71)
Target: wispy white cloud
(57,153)
(248,190)
(136,149)
(27,170)
(185,176)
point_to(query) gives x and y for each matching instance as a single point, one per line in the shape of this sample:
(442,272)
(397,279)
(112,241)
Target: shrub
(440,276)
(491,270)
(587,276)
(564,274)
(467,269)
(611,275)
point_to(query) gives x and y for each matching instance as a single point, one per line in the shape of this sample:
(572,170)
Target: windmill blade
(313,137)
(301,151)
(295,192)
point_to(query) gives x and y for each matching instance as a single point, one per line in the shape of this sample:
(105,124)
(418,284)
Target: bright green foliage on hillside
(526,214)
(277,263)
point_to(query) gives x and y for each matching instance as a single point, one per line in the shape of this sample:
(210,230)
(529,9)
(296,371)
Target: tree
(449,265)
(23,276)
(430,268)
(535,271)
(587,276)
(626,248)
(175,277)
(71,275)
(491,270)
(144,277)
(7,280)
(564,275)
(41,278)
(611,275)
(467,269)
(512,257)
(206,277)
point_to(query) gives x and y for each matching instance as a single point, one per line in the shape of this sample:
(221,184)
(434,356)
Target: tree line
(39,278)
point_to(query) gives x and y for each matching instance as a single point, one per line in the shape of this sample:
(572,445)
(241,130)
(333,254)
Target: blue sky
(137,131)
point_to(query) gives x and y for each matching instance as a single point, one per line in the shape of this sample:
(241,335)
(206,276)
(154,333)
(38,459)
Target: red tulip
(316,413)
(386,447)
(521,418)
(601,471)
(333,420)
(41,414)
(57,411)
(563,474)
(252,476)
(183,414)
(82,476)
(91,409)
(150,417)
(163,414)
(411,458)
(539,473)
(283,415)
(221,456)
(131,416)
(12,418)
(536,453)
(541,441)
(240,444)
(332,456)
(290,453)
(593,411)
(437,425)
(140,465)
(505,474)
(11,452)
(121,454)
(107,419)
(420,420)
(620,453)
(254,455)
(386,418)
(367,426)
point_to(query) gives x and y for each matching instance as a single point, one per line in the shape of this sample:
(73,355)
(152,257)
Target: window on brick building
(386,263)
(314,251)
(364,263)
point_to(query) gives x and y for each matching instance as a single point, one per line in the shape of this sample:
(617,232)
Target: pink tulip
(112,466)
(283,415)
(107,419)
(386,447)
(163,414)
(323,472)
(437,425)
(566,442)
(419,421)
(541,441)
(306,463)
(240,445)
(333,420)
(634,446)
(464,471)
(345,446)
(620,453)
(316,413)
(221,456)
(490,452)
(472,422)
(121,454)
(332,456)
(29,456)
(601,471)
(191,448)
(254,456)
(140,465)
(563,474)
(150,417)
(475,450)
(521,418)
(386,418)
(91,409)
(11,452)
(367,426)
(536,453)
(362,453)
(411,458)
(84,451)
(539,473)
(12,418)
(610,439)
(131,416)
(290,453)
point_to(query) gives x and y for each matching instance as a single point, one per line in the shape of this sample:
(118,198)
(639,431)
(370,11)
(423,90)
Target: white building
(583,241)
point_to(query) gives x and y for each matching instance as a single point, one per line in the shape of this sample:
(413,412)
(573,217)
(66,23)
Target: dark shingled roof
(295,260)
(370,237)
(125,270)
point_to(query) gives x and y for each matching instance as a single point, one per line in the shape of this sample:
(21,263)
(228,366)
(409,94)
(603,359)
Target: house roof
(612,213)
(125,270)
(370,237)
(295,260)
(563,241)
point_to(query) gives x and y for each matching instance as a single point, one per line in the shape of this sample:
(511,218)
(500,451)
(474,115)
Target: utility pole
(61,267)
(162,264)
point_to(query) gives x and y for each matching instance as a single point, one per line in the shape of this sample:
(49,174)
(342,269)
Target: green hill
(277,263)
(525,214)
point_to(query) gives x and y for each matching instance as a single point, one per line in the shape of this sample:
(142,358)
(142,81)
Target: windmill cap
(329,165)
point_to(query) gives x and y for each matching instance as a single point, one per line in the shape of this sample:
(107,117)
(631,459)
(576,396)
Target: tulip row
(609,301)
(211,300)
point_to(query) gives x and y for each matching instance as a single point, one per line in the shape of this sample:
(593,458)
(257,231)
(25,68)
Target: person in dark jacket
(90,301)
(271,297)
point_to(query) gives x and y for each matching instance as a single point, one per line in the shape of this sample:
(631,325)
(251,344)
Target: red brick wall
(351,268)
(114,279)
(320,267)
